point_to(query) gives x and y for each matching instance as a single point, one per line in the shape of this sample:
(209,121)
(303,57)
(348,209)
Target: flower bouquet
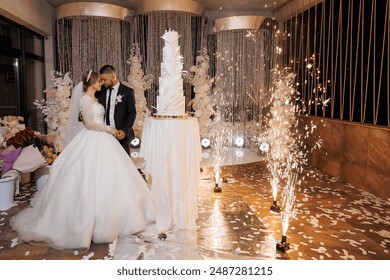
(24,138)
(10,125)
(49,154)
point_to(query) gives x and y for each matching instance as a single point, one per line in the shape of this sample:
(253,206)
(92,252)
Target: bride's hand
(120,135)
(114,131)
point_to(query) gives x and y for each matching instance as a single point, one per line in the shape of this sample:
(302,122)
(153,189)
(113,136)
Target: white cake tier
(172,107)
(170,99)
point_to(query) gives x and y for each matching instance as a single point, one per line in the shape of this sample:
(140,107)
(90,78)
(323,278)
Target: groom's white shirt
(114,93)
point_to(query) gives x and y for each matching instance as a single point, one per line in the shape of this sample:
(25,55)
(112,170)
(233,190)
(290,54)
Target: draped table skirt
(172,153)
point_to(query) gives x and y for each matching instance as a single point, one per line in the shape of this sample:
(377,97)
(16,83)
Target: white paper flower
(202,102)
(64,104)
(198,113)
(139,82)
(11,125)
(56,106)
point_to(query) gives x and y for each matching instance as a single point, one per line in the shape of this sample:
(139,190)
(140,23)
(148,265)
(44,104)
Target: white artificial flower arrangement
(139,82)
(202,104)
(10,125)
(56,106)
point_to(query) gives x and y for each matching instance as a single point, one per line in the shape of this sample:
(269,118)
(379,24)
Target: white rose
(64,104)
(198,113)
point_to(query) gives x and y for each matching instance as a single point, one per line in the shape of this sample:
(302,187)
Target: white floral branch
(56,106)
(139,82)
(202,104)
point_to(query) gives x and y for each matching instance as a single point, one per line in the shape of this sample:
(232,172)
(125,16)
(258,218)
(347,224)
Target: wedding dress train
(94,191)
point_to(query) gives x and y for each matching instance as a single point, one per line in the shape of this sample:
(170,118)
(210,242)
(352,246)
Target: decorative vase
(7,192)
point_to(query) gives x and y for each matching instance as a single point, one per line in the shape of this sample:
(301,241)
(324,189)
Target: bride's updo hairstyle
(89,78)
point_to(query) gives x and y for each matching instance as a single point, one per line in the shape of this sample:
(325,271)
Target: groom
(119,102)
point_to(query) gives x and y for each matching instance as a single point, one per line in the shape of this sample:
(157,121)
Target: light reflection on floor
(227,228)
(232,156)
(335,221)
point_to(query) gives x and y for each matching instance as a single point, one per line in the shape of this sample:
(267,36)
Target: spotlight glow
(135,154)
(264,147)
(205,155)
(239,142)
(135,143)
(205,143)
(239,154)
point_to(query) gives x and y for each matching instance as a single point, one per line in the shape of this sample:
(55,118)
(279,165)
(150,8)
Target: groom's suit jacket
(125,112)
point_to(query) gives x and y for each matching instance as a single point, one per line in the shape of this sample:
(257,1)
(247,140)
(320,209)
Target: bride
(94,191)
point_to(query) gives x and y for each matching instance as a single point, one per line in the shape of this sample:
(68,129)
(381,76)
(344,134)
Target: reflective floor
(334,221)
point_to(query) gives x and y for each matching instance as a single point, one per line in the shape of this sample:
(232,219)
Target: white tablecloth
(172,153)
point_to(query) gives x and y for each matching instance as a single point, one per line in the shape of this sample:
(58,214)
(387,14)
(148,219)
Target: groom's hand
(120,134)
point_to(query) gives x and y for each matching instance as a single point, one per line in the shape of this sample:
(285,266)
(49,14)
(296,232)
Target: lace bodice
(93,114)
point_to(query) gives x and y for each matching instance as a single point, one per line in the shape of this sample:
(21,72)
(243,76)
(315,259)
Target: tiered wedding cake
(170,100)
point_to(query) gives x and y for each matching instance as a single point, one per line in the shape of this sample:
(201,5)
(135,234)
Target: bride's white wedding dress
(94,191)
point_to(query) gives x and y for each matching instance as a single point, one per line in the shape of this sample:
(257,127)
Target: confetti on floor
(334,220)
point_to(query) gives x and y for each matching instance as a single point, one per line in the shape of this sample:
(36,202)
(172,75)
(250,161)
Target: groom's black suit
(125,112)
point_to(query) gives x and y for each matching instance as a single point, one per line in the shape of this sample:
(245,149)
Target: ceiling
(212,7)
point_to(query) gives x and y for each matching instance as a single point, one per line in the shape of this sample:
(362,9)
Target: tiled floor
(334,221)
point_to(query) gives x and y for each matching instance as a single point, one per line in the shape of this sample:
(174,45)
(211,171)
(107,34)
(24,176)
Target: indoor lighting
(205,143)
(205,155)
(264,147)
(239,142)
(135,143)
(135,154)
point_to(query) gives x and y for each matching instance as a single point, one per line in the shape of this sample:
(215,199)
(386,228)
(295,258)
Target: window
(22,72)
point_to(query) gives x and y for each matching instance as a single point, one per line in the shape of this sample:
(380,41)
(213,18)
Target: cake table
(172,153)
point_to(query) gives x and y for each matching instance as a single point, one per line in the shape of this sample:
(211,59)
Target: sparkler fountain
(278,134)
(218,129)
(218,148)
(289,211)
(288,153)
(243,59)
(274,181)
